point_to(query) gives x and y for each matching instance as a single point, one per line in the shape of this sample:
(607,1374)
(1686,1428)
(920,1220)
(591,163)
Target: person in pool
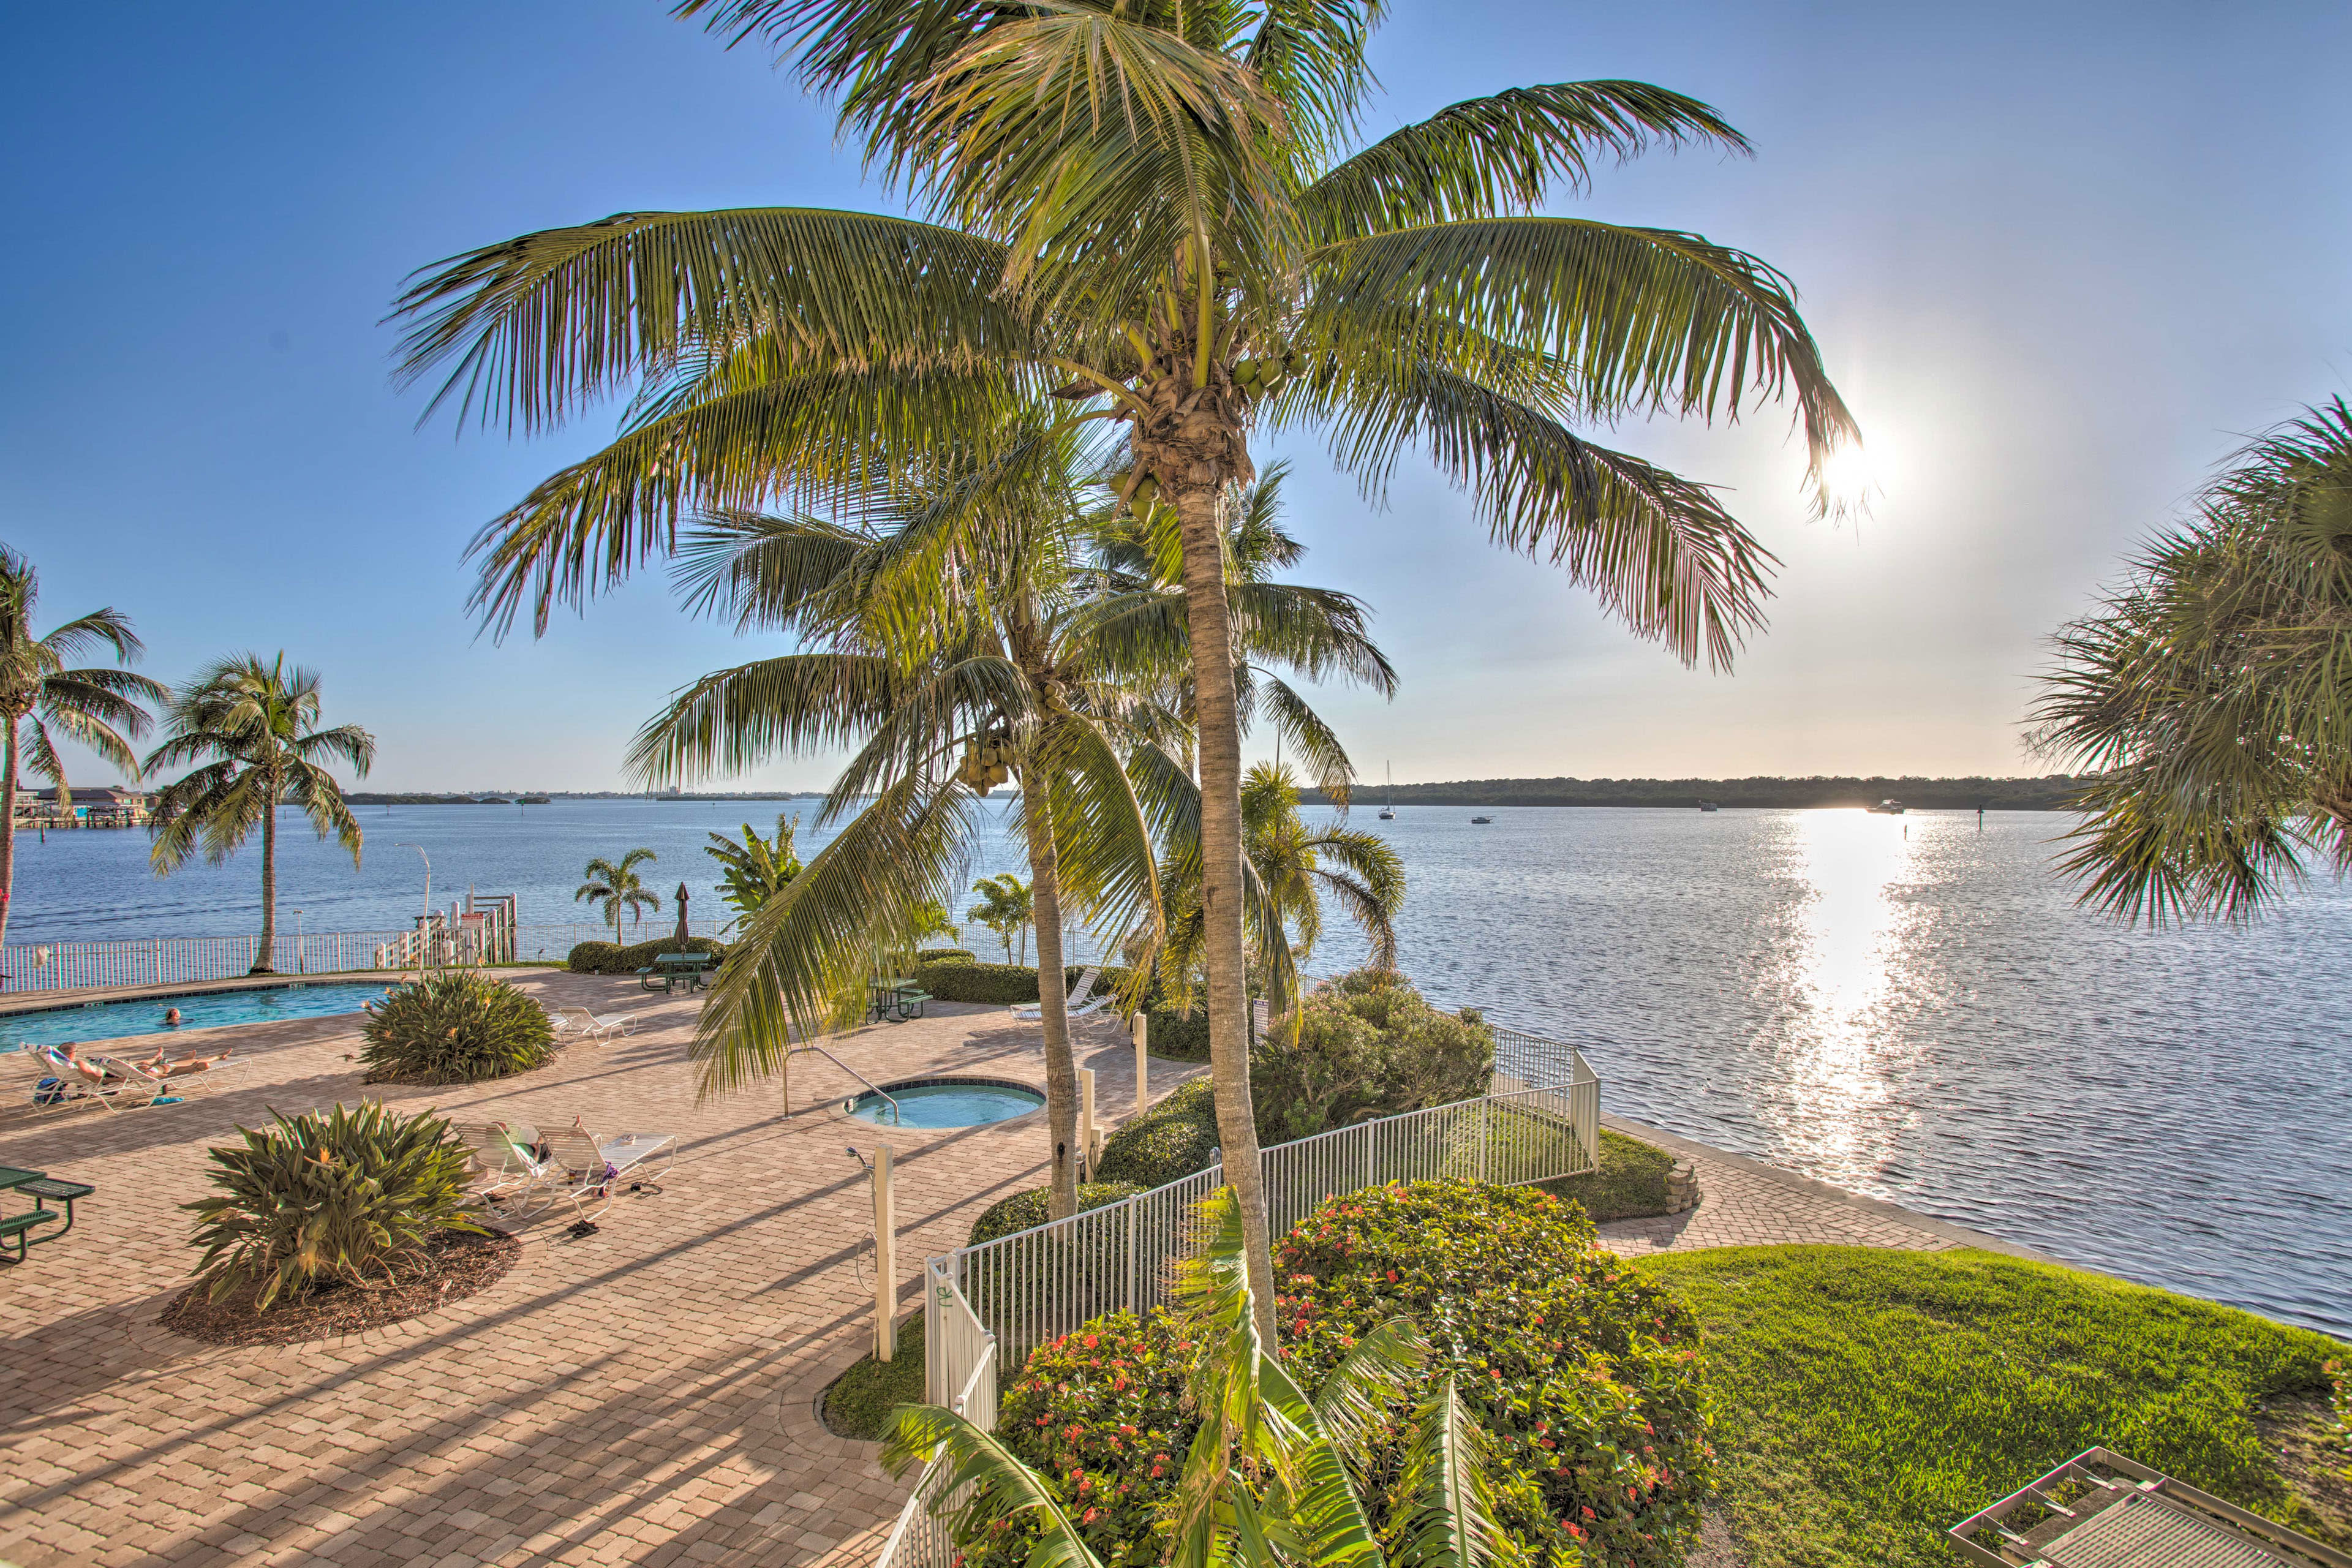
(170,1017)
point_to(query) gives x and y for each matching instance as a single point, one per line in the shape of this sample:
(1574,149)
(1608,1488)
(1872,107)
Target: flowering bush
(1102,1413)
(1587,1376)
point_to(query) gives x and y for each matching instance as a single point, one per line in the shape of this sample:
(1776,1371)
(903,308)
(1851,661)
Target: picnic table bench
(42,1188)
(669,968)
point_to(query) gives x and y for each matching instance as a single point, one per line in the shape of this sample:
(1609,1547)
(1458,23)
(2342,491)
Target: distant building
(94,805)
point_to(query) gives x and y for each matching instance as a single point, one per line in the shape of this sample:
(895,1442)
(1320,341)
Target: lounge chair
(505,1172)
(1072,1007)
(50,1082)
(62,1082)
(599,1167)
(604,1025)
(162,1088)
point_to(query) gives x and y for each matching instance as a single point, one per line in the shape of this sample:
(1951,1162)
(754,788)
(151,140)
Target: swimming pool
(202,1010)
(945,1102)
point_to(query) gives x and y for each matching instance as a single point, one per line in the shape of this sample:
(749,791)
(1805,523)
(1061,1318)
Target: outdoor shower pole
(1142,1063)
(1087,1119)
(885,1259)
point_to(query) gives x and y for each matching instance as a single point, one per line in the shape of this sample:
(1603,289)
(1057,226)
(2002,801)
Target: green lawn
(1869,1399)
(861,1399)
(1630,1184)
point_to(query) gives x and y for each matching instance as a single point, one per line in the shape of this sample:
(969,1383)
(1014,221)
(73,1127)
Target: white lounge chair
(159,1087)
(53,1083)
(599,1167)
(604,1025)
(507,1175)
(1072,1007)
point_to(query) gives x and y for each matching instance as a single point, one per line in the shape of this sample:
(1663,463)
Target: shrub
(947,955)
(1176,1036)
(1586,1373)
(1369,1045)
(606,958)
(964,980)
(342,1198)
(1173,1138)
(1025,1211)
(456,1026)
(1586,1377)
(1101,1412)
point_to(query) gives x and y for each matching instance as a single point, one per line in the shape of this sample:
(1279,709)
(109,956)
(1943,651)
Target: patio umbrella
(681,914)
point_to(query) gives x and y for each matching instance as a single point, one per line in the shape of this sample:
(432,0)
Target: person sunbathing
(69,1055)
(162,1069)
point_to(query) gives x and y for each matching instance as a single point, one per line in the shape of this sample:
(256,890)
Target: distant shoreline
(2054,792)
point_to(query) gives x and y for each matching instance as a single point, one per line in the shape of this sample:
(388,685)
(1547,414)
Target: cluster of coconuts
(987,762)
(1259,376)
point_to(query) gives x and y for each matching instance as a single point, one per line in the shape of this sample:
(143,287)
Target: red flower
(1093,1339)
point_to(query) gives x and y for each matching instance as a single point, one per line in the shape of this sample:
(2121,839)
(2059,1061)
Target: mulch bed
(456,1268)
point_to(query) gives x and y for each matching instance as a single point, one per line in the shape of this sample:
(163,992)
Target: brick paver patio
(646,1395)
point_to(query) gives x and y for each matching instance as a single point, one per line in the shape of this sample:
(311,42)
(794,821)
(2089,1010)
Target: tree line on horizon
(2055,792)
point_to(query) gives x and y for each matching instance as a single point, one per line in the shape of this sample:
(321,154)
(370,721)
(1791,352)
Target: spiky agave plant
(1275,1475)
(454,1025)
(346,1197)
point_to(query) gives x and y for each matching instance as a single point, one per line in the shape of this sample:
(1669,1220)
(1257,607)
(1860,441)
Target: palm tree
(98,707)
(1274,1476)
(255,728)
(615,886)
(1159,210)
(2211,694)
(1006,908)
(961,631)
(755,868)
(1289,868)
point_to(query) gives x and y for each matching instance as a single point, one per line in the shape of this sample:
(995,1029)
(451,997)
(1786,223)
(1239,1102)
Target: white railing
(1038,1285)
(987,1307)
(185,959)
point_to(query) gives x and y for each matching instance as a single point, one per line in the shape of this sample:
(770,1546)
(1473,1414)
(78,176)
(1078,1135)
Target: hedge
(1171,1140)
(1586,1377)
(605,958)
(1026,1211)
(964,979)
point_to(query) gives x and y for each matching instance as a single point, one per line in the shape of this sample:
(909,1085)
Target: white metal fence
(184,960)
(987,1307)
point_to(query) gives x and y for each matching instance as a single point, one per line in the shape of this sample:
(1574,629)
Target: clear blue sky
(2060,259)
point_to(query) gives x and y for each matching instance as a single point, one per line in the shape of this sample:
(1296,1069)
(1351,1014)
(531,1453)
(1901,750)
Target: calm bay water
(1901,1005)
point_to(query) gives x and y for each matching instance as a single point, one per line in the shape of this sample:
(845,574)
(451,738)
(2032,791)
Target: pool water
(969,1102)
(207,1010)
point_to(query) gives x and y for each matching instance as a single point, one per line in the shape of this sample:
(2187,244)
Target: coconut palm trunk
(264,954)
(1220,750)
(1061,1067)
(8,834)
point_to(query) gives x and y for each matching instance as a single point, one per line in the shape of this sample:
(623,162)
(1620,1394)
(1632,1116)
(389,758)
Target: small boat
(1708,805)
(1388,811)
(1478,821)
(1887,808)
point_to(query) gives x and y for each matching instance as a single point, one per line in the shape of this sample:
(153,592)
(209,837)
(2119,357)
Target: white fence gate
(987,1307)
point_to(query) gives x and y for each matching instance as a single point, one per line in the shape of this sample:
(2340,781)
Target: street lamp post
(297,943)
(424,922)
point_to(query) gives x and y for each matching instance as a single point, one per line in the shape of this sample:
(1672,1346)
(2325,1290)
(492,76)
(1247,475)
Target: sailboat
(1388,811)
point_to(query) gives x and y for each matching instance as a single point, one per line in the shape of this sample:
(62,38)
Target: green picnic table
(669,968)
(43,1189)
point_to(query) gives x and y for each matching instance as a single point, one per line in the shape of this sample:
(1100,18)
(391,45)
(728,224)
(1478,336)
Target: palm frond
(1503,153)
(1649,319)
(532,328)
